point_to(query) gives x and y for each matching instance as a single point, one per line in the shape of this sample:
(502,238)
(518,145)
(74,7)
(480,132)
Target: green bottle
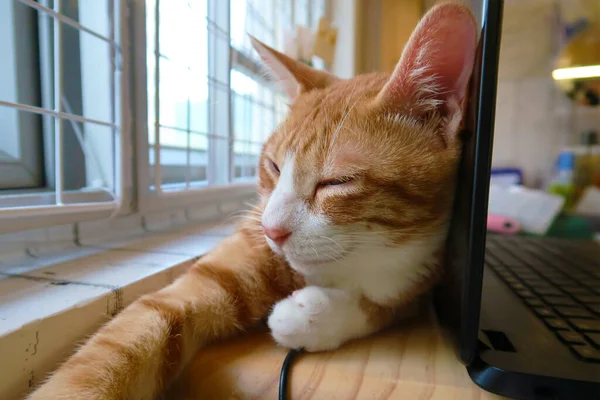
(562,182)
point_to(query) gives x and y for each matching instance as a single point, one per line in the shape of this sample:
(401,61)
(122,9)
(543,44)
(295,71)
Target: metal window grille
(84,35)
(203,104)
(209,105)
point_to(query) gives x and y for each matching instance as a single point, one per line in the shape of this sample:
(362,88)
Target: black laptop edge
(458,298)
(458,303)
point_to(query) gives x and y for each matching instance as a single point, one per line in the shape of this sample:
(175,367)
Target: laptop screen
(458,297)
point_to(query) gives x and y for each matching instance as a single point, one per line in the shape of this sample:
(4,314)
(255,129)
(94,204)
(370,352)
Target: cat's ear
(294,77)
(436,65)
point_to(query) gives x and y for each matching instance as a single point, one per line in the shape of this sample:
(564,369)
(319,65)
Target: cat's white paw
(315,319)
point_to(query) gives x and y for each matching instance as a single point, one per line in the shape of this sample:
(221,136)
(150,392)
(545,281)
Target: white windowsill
(49,304)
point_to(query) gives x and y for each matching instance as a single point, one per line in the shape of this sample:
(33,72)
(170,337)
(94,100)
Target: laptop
(523,313)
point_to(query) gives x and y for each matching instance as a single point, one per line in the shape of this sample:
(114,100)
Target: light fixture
(577,71)
(591,71)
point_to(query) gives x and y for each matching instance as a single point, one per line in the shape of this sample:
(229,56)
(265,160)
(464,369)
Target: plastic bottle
(585,163)
(562,181)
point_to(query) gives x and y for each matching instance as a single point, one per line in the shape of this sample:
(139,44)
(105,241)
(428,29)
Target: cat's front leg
(140,352)
(316,318)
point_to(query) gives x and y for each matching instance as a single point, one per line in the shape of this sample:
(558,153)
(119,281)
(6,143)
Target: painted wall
(534,120)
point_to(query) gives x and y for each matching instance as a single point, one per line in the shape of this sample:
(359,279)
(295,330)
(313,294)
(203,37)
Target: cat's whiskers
(256,229)
(332,258)
(255,213)
(336,251)
(245,212)
(252,206)
(315,251)
(333,241)
(251,218)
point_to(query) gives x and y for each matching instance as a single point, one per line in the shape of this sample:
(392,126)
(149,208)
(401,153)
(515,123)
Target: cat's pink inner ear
(293,76)
(436,64)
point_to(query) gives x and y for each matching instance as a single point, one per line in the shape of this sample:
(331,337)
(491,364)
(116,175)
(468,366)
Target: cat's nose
(276,234)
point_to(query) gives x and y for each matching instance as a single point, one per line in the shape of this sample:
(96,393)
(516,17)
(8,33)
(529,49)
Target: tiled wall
(533,119)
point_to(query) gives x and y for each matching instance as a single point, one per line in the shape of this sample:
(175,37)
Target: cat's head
(368,163)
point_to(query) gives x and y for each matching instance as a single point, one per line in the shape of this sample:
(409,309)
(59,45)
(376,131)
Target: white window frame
(221,184)
(218,187)
(133,186)
(42,208)
(20,165)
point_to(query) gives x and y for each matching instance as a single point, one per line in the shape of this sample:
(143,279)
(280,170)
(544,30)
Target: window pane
(283,20)
(67,91)
(94,168)
(175,168)
(89,78)
(191,85)
(256,105)
(317,10)
(181,89)
(198,94)
(87,75)
(301,12)
(246,161)
(244,90)
(256,18)
(21,132)
(173,94)
(238,23)
(254,119)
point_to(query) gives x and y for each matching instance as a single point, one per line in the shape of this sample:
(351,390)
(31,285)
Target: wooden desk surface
(413,361)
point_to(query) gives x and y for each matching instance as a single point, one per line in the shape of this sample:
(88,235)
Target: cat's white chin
(308,266)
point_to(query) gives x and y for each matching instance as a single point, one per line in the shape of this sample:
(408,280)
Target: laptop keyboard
(559,281)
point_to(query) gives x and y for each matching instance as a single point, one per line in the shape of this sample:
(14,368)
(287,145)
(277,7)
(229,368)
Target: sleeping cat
(355,188)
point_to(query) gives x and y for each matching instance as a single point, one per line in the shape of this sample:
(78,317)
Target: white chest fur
(380,274)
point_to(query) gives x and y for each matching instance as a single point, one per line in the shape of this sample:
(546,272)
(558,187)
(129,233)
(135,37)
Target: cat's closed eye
(274,167)
(336,181)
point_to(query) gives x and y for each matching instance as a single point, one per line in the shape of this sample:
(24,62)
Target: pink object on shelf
(501,224)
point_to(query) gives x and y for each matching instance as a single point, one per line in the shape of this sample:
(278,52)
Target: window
(256,107)
(209,105)
(177,92)
(60,98)
(182,71)
(20,158)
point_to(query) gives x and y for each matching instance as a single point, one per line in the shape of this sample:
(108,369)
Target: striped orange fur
(355,189)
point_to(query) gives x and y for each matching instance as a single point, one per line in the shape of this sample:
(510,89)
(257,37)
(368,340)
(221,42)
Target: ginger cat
(356,190)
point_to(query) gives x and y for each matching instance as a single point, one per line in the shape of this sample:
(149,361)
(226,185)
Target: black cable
(285,373)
